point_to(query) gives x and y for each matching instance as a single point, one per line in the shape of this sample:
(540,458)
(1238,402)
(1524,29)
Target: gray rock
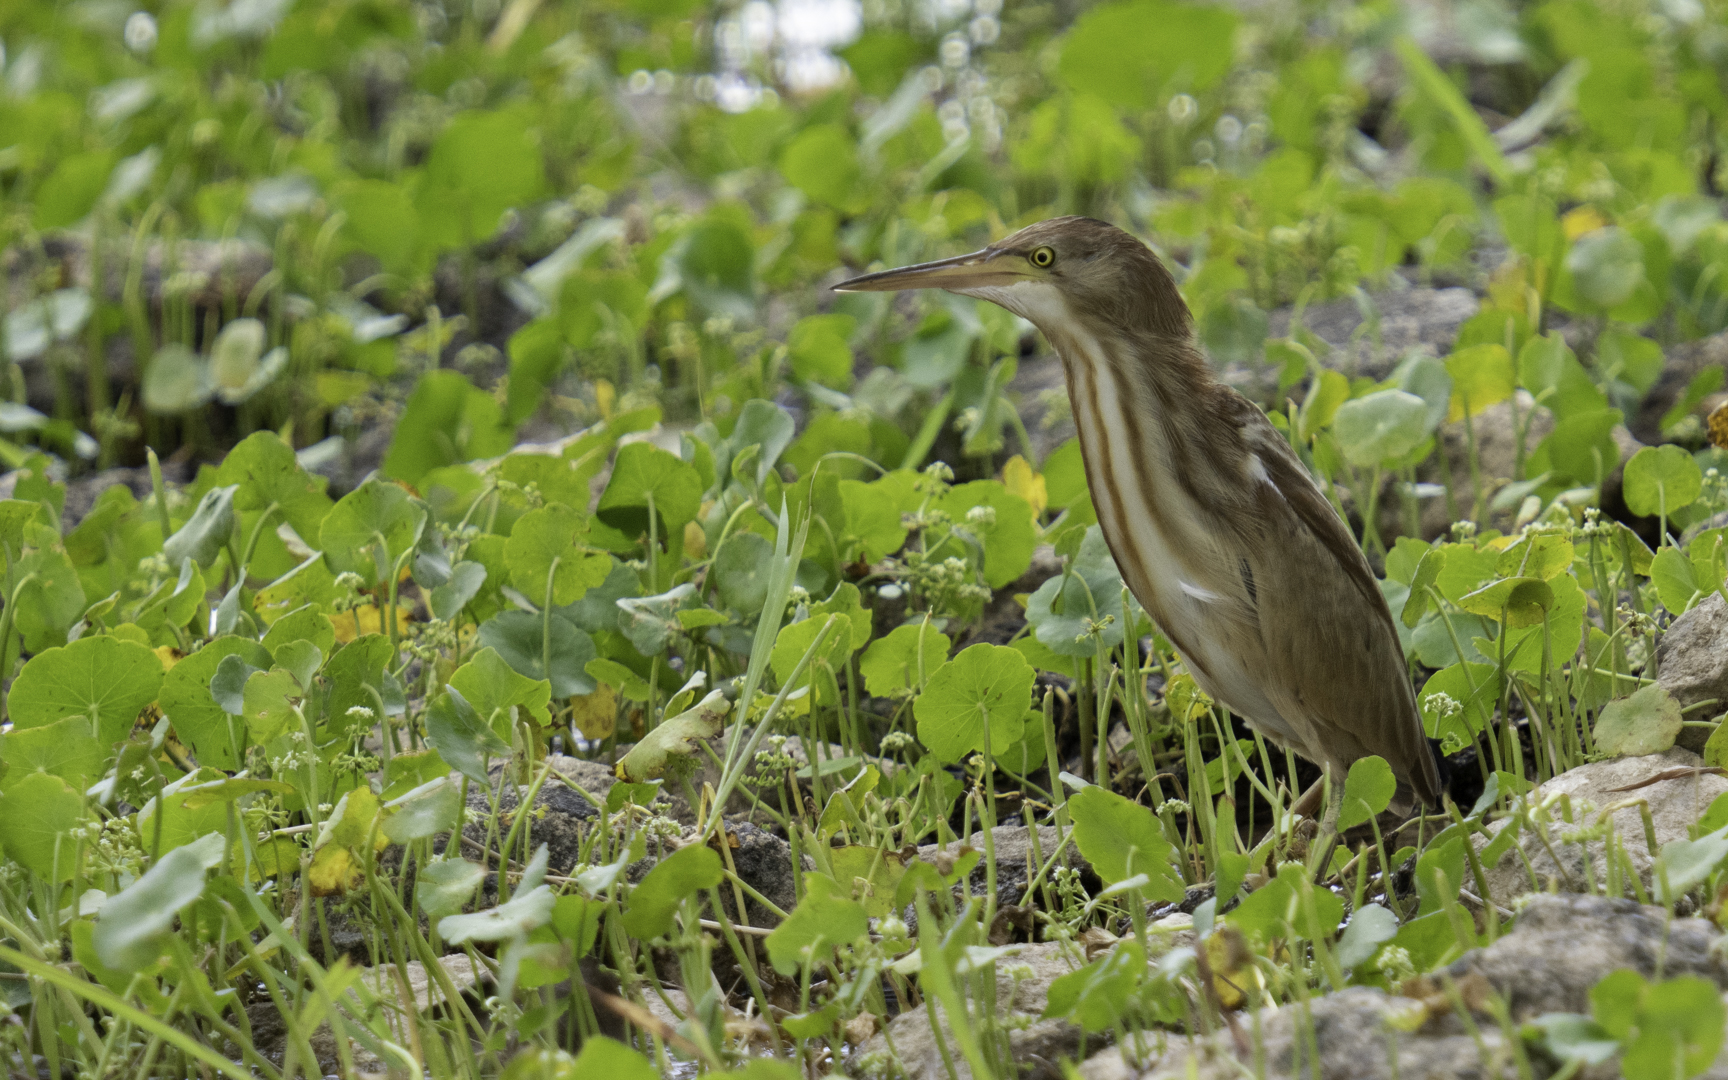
(1692,657)
(908,1047)
(1017,860)
(763,862)
(559,817)
(1370,338)
(1557,950)
(1561,946)
(1351,1035)
(1559,864)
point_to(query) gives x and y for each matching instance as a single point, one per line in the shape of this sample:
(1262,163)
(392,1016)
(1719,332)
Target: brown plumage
(1218,528)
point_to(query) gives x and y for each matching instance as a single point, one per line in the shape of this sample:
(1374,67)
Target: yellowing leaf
(1020,479)
(595,715)
(363,620)
(1580,220)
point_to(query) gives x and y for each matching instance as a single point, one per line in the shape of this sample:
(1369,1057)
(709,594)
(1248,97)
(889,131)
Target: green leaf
(1370,927)
(1061,608)
(1671,572)
(1572,1037)
(492,688)
(1475,708)
(445,885)
(1661,480)
(820,350)
(527,910)
(1426,575)
(482,164)
(1606,266)
(714,263)
(896,664)
(49,600)
(1519,602)
(461,737)
(603,1057)
(655,899)
(873,526)
(447,421)
(1482,375)
(1099,996)
(741,570)
(642,472)
(103,678)
(134,922)
(186,700)
(1683,864)
(176,381)
(763,425)
(651,621)
(376,519)
(39,812)
(266,471)
(1000,520)
(431,808)
(205,533)
(827,916)
(822,162)
(521,638)
(676,736)
(1121,838)
(986,688)
(308,623)
(66,749)
(542,550)
(1130,54)
(1646,722)
(1381,426)
(1580,448)
(239,367)
(269,701)
(1368,791)
(872,872)
(448,600)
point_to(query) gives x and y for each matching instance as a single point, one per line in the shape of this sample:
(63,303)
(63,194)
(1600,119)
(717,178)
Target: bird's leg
(1327,838)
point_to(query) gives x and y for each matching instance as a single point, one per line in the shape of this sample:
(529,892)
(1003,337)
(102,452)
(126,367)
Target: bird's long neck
(1144,404)
(1155,458)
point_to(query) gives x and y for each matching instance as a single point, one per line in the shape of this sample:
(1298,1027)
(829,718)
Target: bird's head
(1054,273)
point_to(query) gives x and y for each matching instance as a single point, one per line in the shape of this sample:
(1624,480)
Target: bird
(1219,530)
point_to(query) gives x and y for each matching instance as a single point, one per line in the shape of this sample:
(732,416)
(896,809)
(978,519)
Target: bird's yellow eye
(1043,257)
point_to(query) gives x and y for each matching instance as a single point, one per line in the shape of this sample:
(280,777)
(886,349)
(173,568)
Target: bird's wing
(1335,669)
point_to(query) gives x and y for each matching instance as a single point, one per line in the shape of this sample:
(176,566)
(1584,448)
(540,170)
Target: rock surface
(1675,804)
(908,1047)
(1370,338)
(1692,657)
(1017,860)
(1559,948)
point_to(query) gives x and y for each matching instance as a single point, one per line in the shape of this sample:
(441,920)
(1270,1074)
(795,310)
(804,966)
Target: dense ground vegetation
(410,404)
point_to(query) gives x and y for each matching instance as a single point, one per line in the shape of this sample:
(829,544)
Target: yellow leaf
(695,541)
(365,619)
(1580,220)
(334,871)
(1019,479)
(169,656)
(605,395)
(595,715)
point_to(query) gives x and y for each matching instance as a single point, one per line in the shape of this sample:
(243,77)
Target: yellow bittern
(1219,530)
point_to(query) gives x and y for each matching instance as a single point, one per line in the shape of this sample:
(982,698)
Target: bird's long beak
(981,268)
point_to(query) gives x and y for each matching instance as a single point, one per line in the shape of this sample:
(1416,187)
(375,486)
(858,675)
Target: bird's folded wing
(1334,663)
